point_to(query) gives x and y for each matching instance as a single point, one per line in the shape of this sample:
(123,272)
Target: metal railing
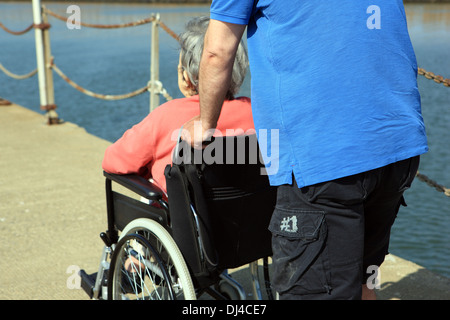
(46,62)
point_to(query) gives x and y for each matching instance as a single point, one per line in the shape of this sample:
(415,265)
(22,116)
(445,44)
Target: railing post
(51,106)
(154,65)
(40,58)
(41,61)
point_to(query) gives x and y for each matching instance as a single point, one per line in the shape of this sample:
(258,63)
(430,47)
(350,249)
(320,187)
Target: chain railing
(17,33)
(433,184)
(17,76)
(432,76)
(446,82)
(157,84)
(102,26)
(154,86)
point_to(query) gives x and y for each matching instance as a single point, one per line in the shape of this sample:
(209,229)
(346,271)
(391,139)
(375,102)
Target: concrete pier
(52,209)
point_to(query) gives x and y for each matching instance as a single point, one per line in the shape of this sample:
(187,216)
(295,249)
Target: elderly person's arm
(221,42)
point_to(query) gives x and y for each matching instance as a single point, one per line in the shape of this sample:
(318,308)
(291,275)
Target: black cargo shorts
(326,236)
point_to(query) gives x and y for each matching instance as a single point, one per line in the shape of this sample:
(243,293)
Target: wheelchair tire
(147,265)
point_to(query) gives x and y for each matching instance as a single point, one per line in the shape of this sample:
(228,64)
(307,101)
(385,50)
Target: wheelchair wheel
(147,265)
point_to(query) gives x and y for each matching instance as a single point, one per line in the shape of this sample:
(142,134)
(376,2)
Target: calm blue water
(118,61)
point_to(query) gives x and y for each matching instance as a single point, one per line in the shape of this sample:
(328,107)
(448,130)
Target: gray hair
(191,42)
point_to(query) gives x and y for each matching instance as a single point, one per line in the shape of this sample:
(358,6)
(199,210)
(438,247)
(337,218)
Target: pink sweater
(147,147)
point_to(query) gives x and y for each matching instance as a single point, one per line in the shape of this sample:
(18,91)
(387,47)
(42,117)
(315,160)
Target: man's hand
(195,132)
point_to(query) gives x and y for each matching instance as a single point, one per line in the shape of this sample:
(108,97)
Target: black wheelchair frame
(178,247)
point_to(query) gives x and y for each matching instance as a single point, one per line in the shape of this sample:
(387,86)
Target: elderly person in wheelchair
(146,148)
(202,219)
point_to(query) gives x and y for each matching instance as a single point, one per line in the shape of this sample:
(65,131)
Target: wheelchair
(180,245)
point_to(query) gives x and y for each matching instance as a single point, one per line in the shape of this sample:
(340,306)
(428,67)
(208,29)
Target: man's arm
(220,46)
(221,42)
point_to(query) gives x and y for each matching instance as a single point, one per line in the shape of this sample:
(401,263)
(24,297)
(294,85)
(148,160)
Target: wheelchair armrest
(136,184)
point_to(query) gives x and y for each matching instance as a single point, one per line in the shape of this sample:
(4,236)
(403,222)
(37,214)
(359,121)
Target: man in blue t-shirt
(335,102)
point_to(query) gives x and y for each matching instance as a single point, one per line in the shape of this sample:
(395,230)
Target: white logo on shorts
(289,224)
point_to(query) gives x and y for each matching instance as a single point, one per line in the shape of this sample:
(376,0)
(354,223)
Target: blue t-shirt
(334,85)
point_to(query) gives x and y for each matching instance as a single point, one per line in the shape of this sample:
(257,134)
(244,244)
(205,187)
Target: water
(117,61)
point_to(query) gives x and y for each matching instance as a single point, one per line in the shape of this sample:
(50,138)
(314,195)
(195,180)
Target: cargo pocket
(300,257)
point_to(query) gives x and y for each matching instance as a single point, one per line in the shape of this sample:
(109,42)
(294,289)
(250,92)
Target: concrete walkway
(52,209)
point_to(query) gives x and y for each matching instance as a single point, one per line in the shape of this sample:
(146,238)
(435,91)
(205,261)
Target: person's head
(191,42)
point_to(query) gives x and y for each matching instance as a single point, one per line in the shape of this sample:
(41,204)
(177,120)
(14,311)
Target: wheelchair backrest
(221,190)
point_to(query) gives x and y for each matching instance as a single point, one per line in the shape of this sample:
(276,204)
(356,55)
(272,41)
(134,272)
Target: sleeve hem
(230,19)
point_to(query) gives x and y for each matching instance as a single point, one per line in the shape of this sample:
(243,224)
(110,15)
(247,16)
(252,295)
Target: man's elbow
(221,42)
(218,57)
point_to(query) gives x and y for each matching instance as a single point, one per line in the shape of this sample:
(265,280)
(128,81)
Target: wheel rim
(138,271)
(168,250)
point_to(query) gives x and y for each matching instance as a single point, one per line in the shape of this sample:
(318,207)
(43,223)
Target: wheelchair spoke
(143,266)
(141,276)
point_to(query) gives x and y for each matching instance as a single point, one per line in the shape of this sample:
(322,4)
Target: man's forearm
(221,42)
(214,81)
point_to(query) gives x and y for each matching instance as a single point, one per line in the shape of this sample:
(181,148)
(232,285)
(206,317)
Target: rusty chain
(16,76)
(105,96)
(17,33)
(169,31)
(93,94)
(431,76)
(433,183)
(31,26)
(102,26)
(115,26)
